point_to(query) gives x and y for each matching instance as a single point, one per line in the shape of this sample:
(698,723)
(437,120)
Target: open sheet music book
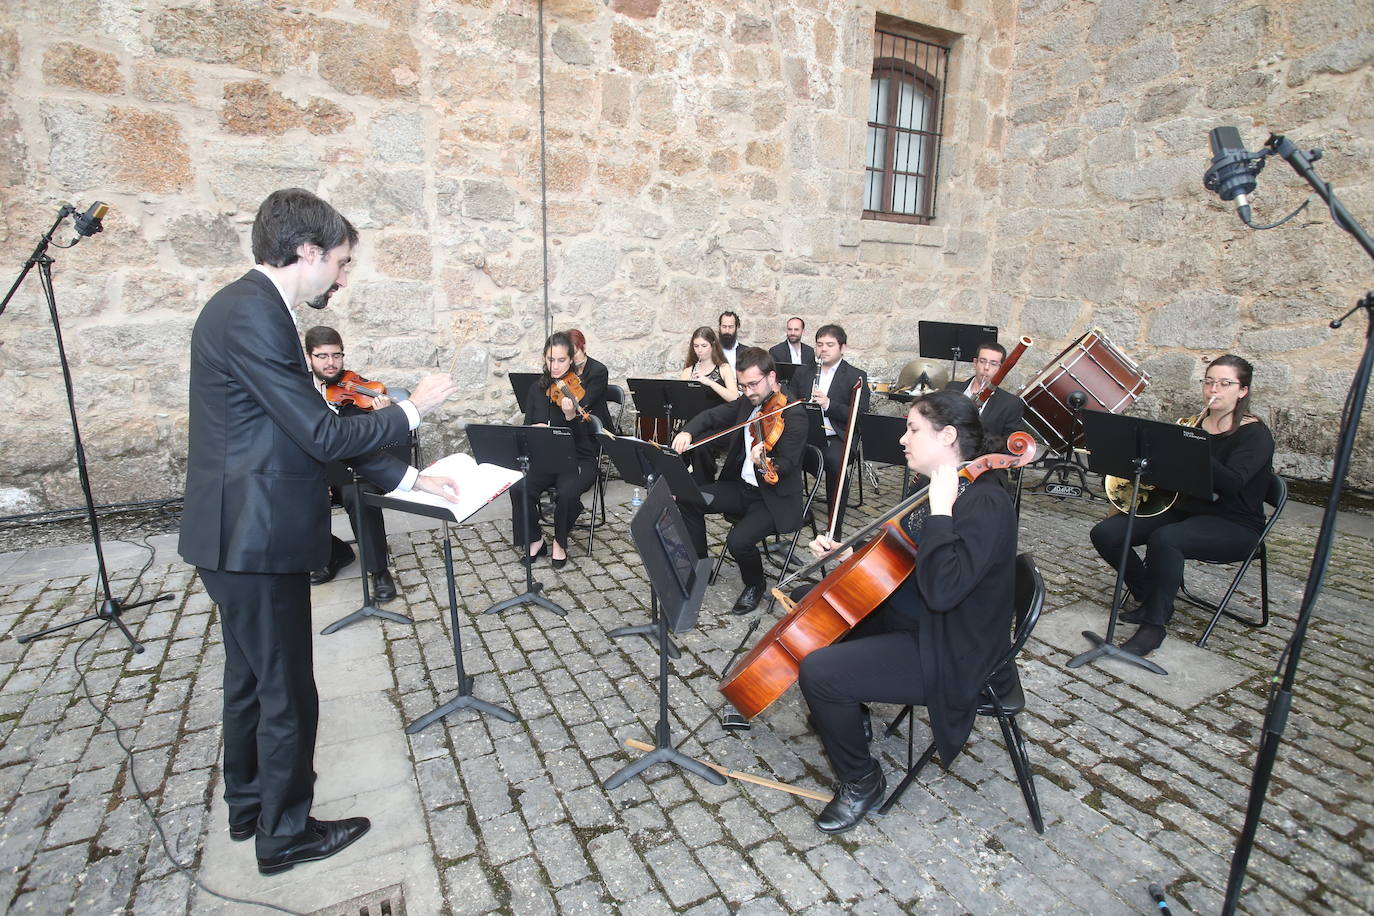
(478,484)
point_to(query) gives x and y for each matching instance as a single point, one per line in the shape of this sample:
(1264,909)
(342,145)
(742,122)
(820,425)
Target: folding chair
(1277,497)
(1030,600)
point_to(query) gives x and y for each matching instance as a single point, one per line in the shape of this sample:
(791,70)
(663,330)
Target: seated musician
(383,471)
(570,483)
(831,387)
(794,349)
(727,328)
(1223,530)
(1001,412)
(933,641)
(762,508)
(594,378)
(705,362)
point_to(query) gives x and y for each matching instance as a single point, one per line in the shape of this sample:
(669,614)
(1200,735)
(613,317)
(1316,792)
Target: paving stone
(466,888)
(681,878)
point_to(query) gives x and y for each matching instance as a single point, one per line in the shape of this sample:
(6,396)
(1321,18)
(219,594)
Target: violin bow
(840,495)
(738,426)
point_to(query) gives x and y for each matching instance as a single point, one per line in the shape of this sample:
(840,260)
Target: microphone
(1232,172)
(1077,401)
(88,224)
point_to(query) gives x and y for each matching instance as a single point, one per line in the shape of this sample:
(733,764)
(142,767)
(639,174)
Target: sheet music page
(478,484)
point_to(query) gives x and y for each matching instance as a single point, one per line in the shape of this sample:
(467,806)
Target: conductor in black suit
(1001,414)
(794,349)
(256,516)
(832,388)
(762,508)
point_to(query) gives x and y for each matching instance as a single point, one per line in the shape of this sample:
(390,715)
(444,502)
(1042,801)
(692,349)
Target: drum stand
(1071,462)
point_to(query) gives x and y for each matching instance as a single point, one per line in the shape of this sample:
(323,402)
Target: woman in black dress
(1222,530)
(570,483)
(934,640)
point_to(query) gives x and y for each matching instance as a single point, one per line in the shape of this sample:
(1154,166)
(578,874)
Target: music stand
(786,372)
(520,383)
(882,439)
(548,449)
(633,458)
(670,399)
(952,341)
(1165,455)
(677,583)
(336,476)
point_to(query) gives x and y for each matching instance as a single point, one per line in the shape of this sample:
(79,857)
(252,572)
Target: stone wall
(700,156)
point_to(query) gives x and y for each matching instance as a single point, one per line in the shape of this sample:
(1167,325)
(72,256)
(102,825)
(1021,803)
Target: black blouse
(539,409)
(1242,464)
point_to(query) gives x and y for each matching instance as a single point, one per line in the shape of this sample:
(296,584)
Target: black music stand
(677,581)
(548,449)
(633,458)
(670,399)
(368,609)
(1165,455)
(786,372)
(952,341)
(464,698)
(882,439)
(520,383)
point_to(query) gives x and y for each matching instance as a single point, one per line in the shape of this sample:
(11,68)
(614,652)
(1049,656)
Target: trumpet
(1151,500)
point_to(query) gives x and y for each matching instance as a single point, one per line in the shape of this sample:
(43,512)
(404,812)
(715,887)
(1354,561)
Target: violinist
(830,384)
(743,492)
(933,641)
(1223,530)
(324,347)
(594,378)
(550,404)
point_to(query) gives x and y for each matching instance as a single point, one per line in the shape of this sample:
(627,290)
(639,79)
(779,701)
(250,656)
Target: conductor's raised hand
(682,441)
(445,487)
(433,390)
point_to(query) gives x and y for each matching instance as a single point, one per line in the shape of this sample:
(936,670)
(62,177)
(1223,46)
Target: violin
(352,388)
(767,428)
(569,386)
(851,592)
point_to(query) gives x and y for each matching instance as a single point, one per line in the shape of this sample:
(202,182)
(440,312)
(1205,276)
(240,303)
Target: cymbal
(923,375)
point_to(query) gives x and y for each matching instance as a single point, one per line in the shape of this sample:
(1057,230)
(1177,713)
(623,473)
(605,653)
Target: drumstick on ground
(743,777)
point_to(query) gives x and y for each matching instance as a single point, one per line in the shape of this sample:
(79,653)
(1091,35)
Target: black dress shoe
(543,549)
(336,563)
(383,588)
(244,830)
(1134,615)
(320,841)
(748,600)
(852,801)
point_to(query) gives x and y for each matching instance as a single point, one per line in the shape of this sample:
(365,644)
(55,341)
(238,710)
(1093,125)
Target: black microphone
(88,223)
(1232,172)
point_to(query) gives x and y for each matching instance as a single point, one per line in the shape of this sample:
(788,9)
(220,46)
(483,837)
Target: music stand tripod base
(368,609)
(1103,649)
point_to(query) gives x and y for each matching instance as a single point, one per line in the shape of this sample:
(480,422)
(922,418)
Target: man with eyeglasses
(741,492)
(382,470)
(1001,412)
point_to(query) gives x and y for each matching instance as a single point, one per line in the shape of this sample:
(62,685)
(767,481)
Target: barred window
(906,108)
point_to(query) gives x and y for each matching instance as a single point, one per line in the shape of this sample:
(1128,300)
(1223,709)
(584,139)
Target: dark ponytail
(556,339)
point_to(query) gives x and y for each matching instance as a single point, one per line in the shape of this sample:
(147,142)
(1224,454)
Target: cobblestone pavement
(1141,780)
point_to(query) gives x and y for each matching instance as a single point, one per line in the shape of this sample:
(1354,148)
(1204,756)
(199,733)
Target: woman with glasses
(1222,530)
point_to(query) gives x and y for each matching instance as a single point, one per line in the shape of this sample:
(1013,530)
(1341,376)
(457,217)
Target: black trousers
(736,499)
(1169,538)
(876,663)
(271,708)
(373,535)
(569,486)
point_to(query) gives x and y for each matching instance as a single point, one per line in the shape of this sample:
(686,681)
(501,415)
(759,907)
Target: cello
(851,591)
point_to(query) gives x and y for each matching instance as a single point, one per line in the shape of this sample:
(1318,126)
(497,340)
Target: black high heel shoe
(557,563)
(543,549)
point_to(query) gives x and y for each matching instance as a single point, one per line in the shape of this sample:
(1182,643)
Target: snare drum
(1093,365)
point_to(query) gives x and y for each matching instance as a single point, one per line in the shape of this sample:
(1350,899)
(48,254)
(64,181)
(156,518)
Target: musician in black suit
(762,508)
(1001,414)
(794,349)
(256,515)
(727,329)
(832,387)
(594,377)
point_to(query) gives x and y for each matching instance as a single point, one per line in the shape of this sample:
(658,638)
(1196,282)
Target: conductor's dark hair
(754,358)
(954,408)
(322,336)
(293,217)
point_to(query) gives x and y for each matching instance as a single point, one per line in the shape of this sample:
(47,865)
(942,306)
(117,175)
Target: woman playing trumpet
(1222,530)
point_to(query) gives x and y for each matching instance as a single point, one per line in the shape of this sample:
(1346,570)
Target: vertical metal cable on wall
(544,180)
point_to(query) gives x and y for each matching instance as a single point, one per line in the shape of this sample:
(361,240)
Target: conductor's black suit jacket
(260,433)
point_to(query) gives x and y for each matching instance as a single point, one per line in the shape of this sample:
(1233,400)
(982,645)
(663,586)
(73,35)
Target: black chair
(1277,497)
(813,466)
(1030,600)
(615,395)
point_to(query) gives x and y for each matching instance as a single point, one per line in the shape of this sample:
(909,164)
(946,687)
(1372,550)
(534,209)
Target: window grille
(905,118)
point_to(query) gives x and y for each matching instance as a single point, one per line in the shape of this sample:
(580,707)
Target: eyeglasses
(754,385)
(1222,383)
(328,357)
(990,363)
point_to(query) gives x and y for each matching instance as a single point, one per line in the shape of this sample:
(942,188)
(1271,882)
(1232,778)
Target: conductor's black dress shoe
(320,841)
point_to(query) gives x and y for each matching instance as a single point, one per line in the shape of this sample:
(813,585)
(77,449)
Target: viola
(352,388)
(569,386)
(851,592)
(767,428)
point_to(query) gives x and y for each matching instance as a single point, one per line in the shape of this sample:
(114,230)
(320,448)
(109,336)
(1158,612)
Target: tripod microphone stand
(110,609)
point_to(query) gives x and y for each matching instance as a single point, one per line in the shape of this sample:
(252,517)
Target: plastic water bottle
(636,501)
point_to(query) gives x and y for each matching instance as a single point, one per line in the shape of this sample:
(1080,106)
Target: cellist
(932,642)
(762,508)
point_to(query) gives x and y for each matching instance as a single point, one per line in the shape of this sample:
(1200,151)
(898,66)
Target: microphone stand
(1281,698)
(109,609)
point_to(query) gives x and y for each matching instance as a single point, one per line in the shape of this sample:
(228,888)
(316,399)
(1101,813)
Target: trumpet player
(1222,530)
